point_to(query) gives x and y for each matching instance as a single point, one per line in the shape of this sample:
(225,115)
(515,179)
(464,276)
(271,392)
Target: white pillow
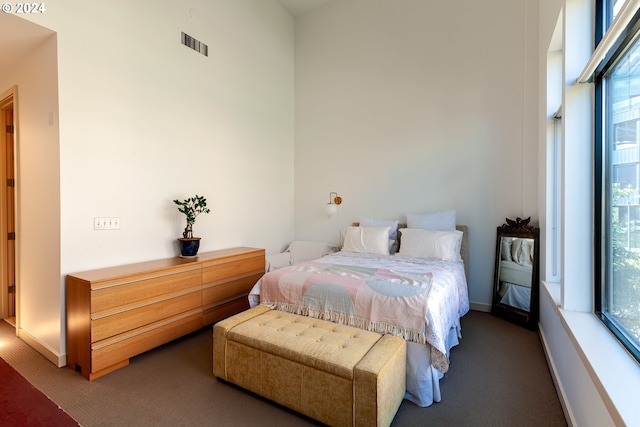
(373,240)
(445,220)
(438,244)
(506,248)
(370,222)
(521,251)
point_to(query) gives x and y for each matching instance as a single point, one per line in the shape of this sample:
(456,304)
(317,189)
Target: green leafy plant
(191,208)
(625,303)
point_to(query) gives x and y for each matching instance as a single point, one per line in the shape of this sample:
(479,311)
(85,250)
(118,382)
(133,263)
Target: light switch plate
(106,223)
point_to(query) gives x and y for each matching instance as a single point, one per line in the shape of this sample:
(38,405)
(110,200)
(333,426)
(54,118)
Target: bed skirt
(423,380)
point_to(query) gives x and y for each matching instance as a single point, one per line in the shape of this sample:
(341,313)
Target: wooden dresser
(116,313)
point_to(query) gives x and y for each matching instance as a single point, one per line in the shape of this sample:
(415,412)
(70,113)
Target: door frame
(8,101)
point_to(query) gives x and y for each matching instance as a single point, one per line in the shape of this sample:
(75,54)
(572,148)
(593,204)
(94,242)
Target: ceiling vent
(195,44)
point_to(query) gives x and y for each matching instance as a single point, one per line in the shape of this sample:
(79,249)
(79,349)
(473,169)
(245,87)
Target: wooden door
(7,214)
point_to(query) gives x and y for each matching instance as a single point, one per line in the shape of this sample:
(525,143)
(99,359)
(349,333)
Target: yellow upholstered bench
(336,374)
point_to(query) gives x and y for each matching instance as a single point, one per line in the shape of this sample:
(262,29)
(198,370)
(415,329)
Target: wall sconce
(332,207)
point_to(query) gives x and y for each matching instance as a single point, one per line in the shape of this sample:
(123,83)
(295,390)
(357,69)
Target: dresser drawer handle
(230,279)
(126,282)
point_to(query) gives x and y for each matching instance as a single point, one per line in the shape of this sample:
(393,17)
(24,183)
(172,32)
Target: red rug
(21,404)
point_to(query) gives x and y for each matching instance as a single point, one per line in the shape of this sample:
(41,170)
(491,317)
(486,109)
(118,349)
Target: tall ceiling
(18,37)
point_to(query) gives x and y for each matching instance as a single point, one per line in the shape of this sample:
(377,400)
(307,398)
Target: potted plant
(191,208)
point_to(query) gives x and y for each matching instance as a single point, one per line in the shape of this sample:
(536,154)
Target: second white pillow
(443,245)
(373,240)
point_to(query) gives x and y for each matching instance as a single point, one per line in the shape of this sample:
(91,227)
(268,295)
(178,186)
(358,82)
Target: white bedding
(515,295)
(515,284)
(513,272)
(448,301)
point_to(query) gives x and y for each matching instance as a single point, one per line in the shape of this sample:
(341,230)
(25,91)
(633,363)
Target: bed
(415,293)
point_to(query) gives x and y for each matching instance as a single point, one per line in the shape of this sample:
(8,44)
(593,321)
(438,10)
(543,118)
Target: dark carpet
(21,404)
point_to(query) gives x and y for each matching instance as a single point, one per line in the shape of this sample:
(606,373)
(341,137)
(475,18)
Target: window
(612,7)
(617,80)
(556,201)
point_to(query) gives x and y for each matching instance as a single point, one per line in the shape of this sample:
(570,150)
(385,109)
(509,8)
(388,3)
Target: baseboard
(549,294)
(556,382)
(50,355)
(475,306)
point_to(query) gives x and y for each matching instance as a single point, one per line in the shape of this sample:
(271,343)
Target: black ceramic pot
(189,247)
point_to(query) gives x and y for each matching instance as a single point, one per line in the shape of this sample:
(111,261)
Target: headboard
(464,249)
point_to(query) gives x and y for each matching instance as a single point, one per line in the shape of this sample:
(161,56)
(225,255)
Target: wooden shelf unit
(119,312)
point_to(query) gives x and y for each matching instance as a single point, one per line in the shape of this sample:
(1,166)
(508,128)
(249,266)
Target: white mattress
(513,272)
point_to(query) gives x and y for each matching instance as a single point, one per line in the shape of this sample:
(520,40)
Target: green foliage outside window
(625,228)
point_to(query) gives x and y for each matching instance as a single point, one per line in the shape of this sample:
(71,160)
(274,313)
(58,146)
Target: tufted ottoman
(336,374)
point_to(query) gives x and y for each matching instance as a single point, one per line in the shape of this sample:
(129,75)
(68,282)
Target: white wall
(149,120)
(579,396)
(144,120)
(38,194)
(415,106)
(592,371)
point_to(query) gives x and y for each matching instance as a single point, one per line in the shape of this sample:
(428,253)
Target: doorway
(7,208)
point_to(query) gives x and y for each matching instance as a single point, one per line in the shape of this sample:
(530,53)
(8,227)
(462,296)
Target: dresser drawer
(133,292)
(216,294)
(109,352)
(134,317)
(222,311)
(222,272)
